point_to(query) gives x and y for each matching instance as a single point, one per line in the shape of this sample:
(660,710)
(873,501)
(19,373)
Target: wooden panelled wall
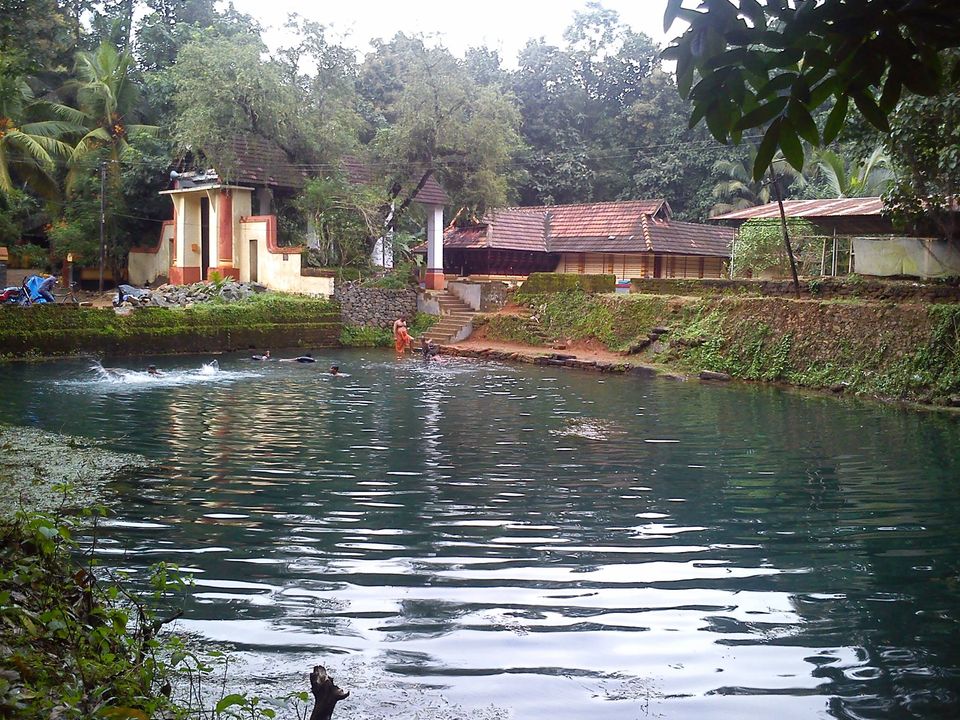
(643,265)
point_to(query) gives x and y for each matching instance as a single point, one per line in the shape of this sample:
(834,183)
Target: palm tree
(868,178)
(737,190)
(108,99)
(30,132)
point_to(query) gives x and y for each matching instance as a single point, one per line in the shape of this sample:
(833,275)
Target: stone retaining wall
(374,307)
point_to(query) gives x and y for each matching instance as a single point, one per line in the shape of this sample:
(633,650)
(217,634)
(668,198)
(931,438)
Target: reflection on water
(550,544)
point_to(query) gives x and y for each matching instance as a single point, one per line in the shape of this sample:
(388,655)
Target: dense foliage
(102,98)
(772,65)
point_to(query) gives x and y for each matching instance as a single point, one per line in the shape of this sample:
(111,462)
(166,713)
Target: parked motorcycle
(31,292)
(12,296)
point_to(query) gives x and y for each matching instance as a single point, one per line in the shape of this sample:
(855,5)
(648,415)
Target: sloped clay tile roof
(620,219)
(505,229)
(466,238)
(360,173)
(262,162)
(619,227)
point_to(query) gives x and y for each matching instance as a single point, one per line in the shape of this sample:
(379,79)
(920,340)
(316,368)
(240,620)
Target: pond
(467,539)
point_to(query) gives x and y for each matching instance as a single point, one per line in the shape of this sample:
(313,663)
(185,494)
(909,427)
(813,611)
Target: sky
(503,25)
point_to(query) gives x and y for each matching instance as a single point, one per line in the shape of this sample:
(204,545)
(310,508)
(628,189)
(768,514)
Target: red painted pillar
(225,236)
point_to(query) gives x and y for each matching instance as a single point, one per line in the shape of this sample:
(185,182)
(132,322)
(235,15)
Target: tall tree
(167,26)
(108,97)
(427,118)
(578,105)
(223,88)
(924,146)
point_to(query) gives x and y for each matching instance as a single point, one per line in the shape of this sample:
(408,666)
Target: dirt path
(582,350)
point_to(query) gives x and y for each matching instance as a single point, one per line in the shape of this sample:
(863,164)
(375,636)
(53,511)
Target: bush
(542,283)
(403,276)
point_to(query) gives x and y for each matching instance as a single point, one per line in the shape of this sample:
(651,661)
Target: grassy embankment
(902,351)
(263,321)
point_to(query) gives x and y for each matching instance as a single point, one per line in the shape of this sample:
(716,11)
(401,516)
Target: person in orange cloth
(401,338)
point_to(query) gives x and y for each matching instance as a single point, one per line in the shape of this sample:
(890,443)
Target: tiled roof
(619,227)
(359,172)
(467,238)
(619,219)
(843,207)
(262,162)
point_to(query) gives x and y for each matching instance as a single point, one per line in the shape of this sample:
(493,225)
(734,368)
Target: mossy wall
(541,283)
(852,286)
(262,322)
(905,351)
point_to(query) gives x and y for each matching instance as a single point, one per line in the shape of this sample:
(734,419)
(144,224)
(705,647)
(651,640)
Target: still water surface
(467,539)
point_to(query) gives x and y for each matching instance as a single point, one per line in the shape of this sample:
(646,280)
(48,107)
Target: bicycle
(70,298)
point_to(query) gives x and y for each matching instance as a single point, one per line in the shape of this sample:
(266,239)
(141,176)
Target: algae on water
(34,464)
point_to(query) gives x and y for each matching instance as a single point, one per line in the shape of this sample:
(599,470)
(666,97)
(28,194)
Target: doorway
(253,261)
(204,237)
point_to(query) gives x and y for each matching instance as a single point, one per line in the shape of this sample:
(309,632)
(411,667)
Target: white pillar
(434,280)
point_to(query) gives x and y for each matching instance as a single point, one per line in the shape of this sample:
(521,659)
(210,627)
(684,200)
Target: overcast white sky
(504,25)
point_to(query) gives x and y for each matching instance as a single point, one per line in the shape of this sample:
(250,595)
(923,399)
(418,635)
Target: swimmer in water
(265,356)
(308,358)
(334,369)
(152,370)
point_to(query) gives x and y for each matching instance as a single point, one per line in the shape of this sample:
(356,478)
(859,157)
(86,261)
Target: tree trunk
(326,694)
(786,235)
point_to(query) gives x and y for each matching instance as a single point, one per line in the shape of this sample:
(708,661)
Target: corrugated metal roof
(842,207)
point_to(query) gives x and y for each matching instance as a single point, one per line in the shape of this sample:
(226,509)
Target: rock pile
(186,295)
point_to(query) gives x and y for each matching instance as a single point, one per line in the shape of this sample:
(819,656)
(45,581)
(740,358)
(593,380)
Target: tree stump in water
(326,694)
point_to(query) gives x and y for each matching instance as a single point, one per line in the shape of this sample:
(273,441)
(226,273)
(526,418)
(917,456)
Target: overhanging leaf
(803,122)
(762,114)
(766,150)
(670,13)
(835,120)
(871,111)
(791,146)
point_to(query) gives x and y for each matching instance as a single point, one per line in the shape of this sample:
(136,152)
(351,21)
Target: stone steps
(455,315)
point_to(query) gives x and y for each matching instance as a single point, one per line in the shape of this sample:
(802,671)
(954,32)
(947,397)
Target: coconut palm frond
(29,146)
(52,128)
(91,141)
(53,146)
(63,112)
(834,171)
(6,182)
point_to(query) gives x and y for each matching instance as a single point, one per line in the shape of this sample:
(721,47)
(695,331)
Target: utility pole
(103,218)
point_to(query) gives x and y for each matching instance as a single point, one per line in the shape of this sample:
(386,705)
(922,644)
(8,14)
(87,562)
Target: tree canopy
(146,85)
(771,66)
